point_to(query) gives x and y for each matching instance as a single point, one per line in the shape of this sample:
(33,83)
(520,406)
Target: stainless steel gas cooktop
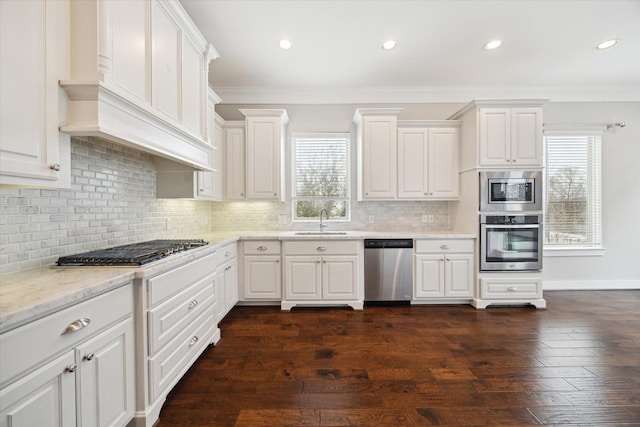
(132,255)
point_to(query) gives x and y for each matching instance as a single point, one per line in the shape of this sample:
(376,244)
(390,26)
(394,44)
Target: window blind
(572,191)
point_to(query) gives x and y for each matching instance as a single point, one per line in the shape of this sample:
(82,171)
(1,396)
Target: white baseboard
(575,285)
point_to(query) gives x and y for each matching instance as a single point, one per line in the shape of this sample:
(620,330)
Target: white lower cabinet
(226,279)
(323,273)
(261,270)
(510,289)
(443,271)
(73,367)
(178,322)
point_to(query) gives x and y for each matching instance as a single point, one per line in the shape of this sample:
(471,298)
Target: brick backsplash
(388,216)
(111,202)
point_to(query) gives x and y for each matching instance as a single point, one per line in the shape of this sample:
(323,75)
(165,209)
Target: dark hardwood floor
(575,364)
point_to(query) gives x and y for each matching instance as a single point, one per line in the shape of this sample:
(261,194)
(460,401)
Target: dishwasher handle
(388,243)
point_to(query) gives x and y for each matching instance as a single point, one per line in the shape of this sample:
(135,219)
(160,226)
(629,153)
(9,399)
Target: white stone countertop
(34,293)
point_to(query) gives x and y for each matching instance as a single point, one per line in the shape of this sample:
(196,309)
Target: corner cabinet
(320,273)
(428,161)
(34,56)
(265,136)
(444,271)
(73,367)
(151,94)
(261,270)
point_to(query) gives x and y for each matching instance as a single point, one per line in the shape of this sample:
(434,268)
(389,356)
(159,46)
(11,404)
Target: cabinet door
(379,153)
(231,284)
(220,307)
(106,368)
(459,275)
(494,136)
(192,87)
(166,54)
(263,158)
(413,158)
(33,55)
(303,278)
(218,163)
(44,397)
(339,277)
(443,163)
(262,277)
(526,137)
(429,281)
(235,164)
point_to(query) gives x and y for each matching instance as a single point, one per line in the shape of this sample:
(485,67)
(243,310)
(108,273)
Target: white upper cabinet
(234,161)
(377,141)
(502,133)
(265,154)
(139,77)
(427,161)
(33,57)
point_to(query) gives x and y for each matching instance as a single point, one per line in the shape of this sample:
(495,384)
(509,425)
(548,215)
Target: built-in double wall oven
(511,221)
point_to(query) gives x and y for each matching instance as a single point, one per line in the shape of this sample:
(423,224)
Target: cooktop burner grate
(131,255)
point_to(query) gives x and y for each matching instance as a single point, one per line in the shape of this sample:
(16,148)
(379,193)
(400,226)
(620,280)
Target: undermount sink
(320,233)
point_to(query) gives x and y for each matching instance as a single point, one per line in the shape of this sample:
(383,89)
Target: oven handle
(493,226)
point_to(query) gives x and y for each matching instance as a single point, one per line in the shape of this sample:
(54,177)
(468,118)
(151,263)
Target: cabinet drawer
(176,357)
(31,344)
(516,288)
(444,246)
(166,284)
(227,252)
(172,316)
(322,247)
(261,247)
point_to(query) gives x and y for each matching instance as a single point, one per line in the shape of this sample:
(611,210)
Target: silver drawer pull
(444,246)
(262,248)
(192,304)
(512,289)
(193,341)
(321,248)
(76,325)
(89,357)
(71,368)
(227,253)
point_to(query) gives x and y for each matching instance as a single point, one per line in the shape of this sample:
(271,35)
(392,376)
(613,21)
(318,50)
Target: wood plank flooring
(575,364)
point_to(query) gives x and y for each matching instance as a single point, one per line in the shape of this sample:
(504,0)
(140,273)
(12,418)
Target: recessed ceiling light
(493,44)
(606,45)
(389,44)
(284,44)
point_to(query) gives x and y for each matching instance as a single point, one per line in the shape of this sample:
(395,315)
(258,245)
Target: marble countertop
(30,294)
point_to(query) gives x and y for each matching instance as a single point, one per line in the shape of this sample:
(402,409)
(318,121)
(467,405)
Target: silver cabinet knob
(55,167)
(512,289)
(262,248)
(445,246)
(71,368)
(192,341)
(227,253)
(321,248)
(192,304)
(89,357)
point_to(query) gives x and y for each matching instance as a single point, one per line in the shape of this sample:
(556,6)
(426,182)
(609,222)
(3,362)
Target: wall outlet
(372,219)
(428,219)
(282,219)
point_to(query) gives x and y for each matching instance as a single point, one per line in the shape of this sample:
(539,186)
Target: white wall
(620,265)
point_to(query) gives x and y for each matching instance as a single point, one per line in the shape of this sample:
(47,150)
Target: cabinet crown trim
(429,123)
(362,112)
(282,114)
(505,103)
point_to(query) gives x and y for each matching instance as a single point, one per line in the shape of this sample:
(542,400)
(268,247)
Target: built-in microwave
(510,191)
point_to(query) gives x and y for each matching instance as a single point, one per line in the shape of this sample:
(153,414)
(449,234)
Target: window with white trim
(320,176)
(572,190)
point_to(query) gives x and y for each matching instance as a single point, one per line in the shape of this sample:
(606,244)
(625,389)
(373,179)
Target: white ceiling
(548,50)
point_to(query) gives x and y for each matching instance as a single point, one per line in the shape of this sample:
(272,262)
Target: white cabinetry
(235,169)
(73,367)
(262,270)
(321,272)
(178,322)
(226,279)
(377,142)
(139,77)
(34,55)
(501,133)
(510,289)
(265,154)
(443,270)
(427,161)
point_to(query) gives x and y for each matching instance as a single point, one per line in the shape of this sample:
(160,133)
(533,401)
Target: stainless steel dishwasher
(388,270)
